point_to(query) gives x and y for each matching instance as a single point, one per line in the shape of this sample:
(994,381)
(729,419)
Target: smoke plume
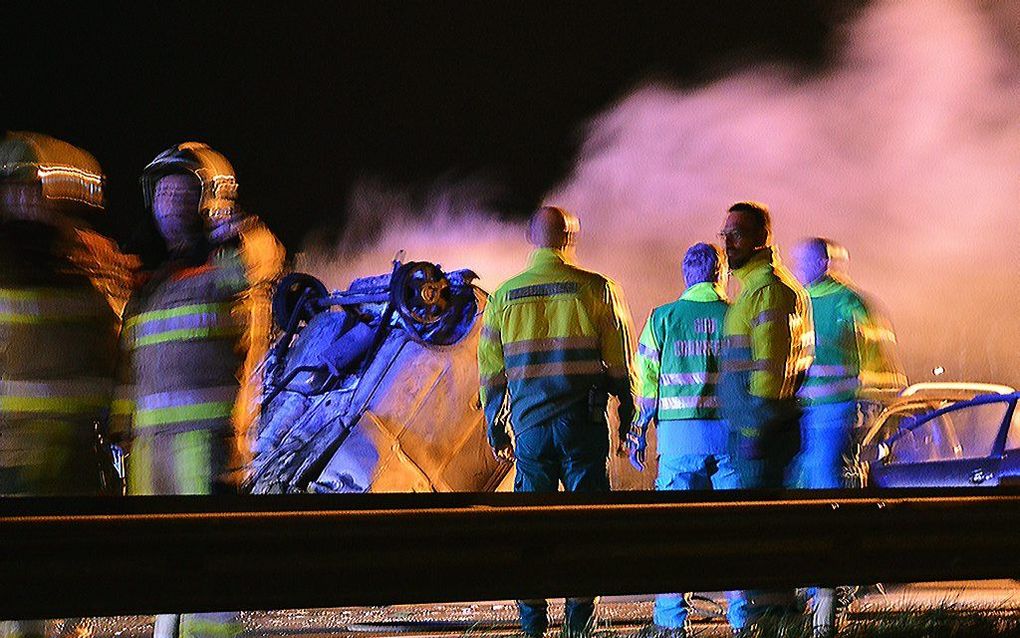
(907,151)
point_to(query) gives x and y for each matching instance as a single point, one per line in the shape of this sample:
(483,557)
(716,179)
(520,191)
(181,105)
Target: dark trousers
(571,450)
(769,473)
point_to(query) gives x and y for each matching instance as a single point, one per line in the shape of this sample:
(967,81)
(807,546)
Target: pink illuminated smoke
(907,151)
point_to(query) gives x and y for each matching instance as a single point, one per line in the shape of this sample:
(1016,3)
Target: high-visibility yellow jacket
(553,337)
(768,346)
(854,346)
(678,357)
(58,349)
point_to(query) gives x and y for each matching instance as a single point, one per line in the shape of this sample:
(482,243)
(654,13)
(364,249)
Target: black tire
(297,289)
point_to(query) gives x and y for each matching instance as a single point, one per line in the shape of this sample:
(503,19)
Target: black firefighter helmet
(218,204)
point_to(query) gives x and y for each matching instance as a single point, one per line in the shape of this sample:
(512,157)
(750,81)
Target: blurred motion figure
(854,349)
(58,326)
(678,369)
(193,334)
(555,343)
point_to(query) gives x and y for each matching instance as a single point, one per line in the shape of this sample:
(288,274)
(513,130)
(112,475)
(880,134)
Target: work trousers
(684,472)
(768,473)
(48,457)
(825,432)
(184,462)
(572,450)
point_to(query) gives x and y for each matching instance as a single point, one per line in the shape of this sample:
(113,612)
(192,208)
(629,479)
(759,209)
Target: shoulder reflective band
(201,404)
(490,333)
(544,290)
(49,305)
(765,316)
(184,323)
(79,396)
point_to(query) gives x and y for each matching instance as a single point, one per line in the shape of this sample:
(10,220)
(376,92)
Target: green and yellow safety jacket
(678,357)
(58,350)
(854,347)
(768,347)
(553,337)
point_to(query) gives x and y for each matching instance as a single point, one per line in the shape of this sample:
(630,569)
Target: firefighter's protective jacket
(768,346)
(58,349)
(854,346)
(191,340)
(553,337)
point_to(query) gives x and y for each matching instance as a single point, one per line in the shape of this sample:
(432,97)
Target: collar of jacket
(544,256)
(826,285)
(704,291)
(762,260)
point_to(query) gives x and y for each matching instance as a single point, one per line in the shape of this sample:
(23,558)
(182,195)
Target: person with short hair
(678,371)
(768,347)
(555,343)
(854,349)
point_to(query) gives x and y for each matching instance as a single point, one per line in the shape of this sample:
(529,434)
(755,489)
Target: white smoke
(907,152)
(451,223)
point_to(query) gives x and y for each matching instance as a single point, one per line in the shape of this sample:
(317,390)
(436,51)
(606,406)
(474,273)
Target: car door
(1009,472)
(958,446)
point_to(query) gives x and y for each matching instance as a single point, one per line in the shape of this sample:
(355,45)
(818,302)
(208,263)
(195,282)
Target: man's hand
(753,444)
(636,444)
(750,447)
(504,453)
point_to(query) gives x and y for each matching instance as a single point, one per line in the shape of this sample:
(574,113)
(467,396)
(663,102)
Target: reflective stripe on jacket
(57,353)
(768,344)
(190,344)
(678,357)
(551,337)
(853,347)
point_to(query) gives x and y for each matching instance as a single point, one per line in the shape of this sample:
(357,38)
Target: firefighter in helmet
(193,334)
(58,323)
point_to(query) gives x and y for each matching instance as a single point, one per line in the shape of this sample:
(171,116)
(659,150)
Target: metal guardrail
(63,557)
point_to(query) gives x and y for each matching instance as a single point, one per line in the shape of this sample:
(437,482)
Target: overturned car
(375,388)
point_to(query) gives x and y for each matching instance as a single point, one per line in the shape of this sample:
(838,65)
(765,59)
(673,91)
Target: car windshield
(967,432)
(895,416)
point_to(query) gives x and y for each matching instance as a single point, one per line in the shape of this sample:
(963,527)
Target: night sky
(305,101)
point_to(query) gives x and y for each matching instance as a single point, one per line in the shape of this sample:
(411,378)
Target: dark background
(303,101)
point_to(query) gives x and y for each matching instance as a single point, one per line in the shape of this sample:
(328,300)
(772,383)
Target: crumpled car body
(375,388)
